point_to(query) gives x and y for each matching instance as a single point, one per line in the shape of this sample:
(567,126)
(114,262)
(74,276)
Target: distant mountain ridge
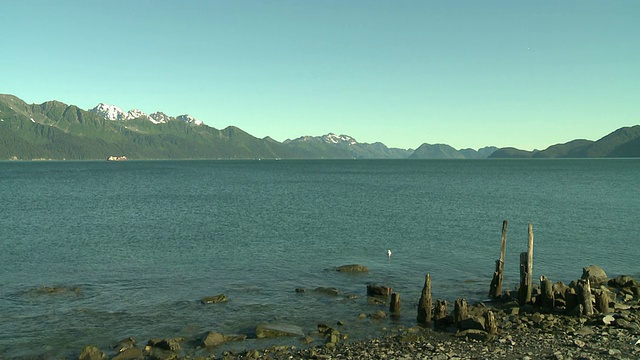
(624,142)
(54,130)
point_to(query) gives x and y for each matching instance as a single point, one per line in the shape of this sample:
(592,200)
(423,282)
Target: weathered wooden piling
(602,301)
(495,290)
(424,307)
(547,295)
(583,289)
(526,271)
(395,305)
(440,312)
(460,312)
(490,323)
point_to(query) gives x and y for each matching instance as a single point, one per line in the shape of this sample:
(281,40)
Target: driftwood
(394,305)
(424,307)
(460,312)
(495,290)
(547,295)
(526,271)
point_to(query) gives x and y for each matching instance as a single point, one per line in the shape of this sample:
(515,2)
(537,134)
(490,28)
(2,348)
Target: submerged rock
(352,268)
(378,290)
(327,291)
(278,330)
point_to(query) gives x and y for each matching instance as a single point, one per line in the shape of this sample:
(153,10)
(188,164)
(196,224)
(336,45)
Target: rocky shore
(575,321)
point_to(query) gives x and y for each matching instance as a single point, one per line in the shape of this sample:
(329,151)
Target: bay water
(133,246)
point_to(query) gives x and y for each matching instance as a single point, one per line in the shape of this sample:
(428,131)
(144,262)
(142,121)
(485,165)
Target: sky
(466,73)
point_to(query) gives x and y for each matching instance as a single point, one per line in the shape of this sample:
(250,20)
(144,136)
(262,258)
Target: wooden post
(395,306)
(460,311)
(424,307)
(490,323)
(584,296)
(440,312)
(548,298)
(526,271)
(495,290)
(602,302)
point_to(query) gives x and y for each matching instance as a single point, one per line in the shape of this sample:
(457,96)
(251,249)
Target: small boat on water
(116,158)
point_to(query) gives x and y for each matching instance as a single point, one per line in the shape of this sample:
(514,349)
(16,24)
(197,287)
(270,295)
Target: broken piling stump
(547,295)
(460,312)
(490,323)
(394,305)
(440,313)
(584,297)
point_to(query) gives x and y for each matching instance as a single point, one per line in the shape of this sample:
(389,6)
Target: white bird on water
(389,252)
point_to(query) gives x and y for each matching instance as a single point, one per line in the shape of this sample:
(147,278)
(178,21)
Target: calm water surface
(138,243)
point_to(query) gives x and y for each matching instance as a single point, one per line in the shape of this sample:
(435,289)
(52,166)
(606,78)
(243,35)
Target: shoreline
(528,331)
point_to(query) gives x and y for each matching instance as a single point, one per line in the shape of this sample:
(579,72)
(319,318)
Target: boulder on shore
(130,354)
(213,338)
(595,274)
(91,352)
(353,268)
(623,281)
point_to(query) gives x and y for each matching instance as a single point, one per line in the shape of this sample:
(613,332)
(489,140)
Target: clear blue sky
(466,73)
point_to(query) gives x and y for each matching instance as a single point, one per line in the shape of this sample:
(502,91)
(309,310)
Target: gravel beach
(523,332)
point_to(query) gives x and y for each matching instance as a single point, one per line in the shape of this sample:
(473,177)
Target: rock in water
(327,291)
(595,274)
(214,299)
(352,268)
(378,290)
(278,330)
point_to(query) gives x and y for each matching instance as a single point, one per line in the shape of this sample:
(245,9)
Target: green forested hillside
(624,142)
(54,130)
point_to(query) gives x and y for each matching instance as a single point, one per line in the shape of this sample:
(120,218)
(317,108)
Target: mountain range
(54,130)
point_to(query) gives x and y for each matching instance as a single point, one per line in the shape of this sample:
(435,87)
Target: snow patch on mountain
(189,119)
(114,113)
(110,112)
(339,139)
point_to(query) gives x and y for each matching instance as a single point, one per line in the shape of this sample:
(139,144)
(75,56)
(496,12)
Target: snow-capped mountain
(330,138)
(114,113)
(339,139)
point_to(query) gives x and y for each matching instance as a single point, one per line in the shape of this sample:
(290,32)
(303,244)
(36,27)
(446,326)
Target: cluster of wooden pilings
(526,269)
(578,294)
